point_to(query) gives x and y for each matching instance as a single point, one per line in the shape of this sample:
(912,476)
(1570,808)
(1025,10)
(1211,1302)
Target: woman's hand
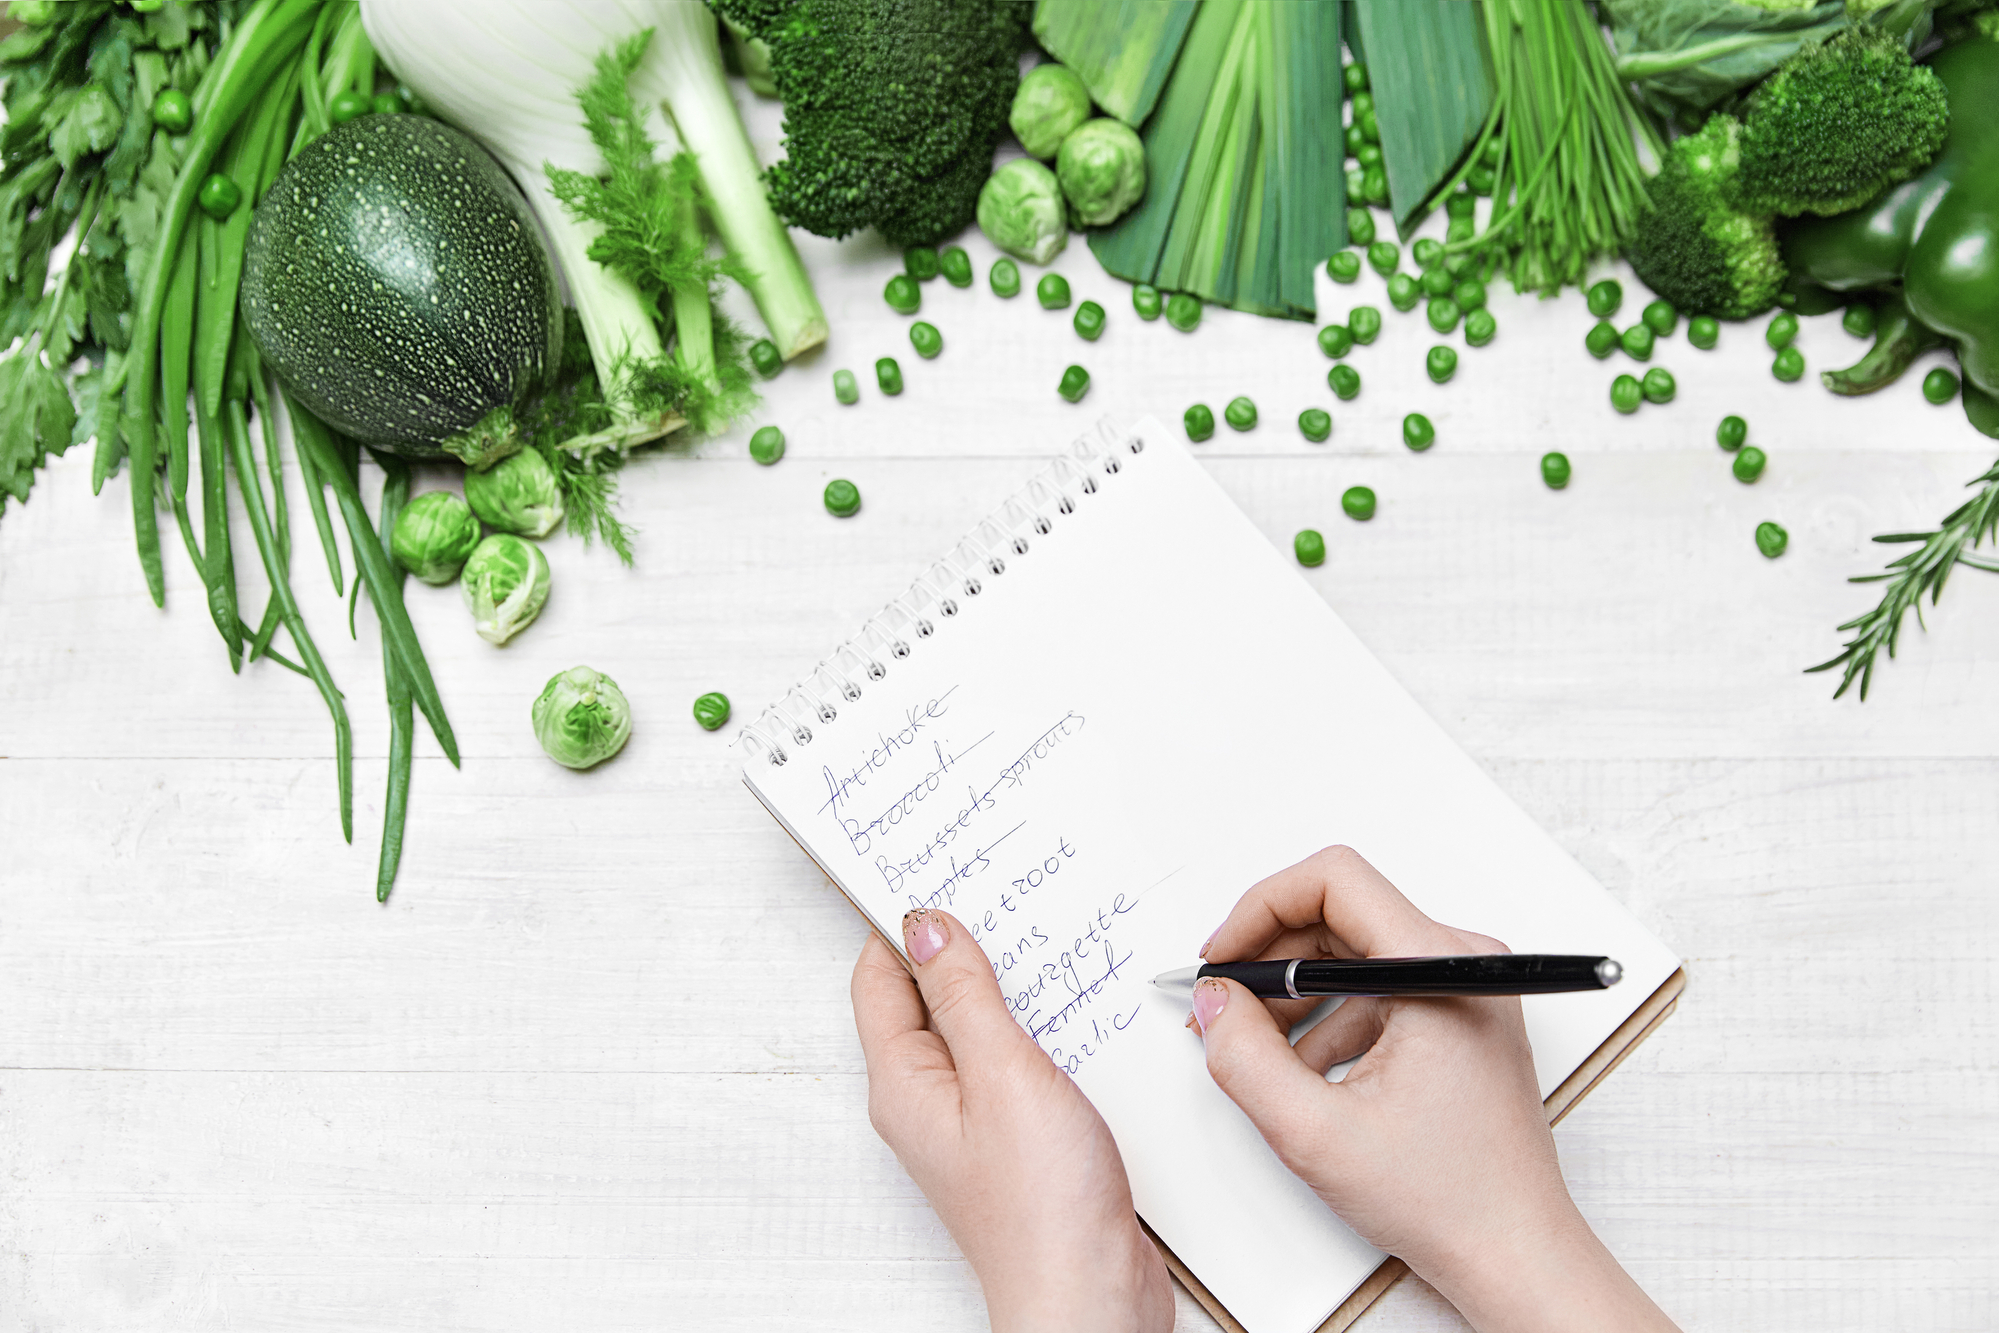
(1436,1146)
(1009,1152)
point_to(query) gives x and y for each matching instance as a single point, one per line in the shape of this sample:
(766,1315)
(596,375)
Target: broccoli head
(891,109)
(1837,124)
(1696,248)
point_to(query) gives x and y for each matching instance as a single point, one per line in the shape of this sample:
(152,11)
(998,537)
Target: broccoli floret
(1838,123)
(1693,246)
(891,109)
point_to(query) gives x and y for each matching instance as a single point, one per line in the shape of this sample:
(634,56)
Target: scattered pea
(1480,327)
(711,710)
(1357,184)
(1771,539)
(1939,386)
(1358,502)
(1441,363)
(920,262)
(1310,548)
(1444,314)
(1052,291)
(1417,432)
(1369,152)
(173,111)
(1004,278)
(903,295)
(1480,179)
(1344,381)
(1403,293)
(1659,385)
(844,387)
(1460,205)
(1355,141)
(1637,342)
(1344,267)
(1240,414)
(1626,393)
(842,498)
(1493,150)
(1335,340)
(1354,76)
(1200,422)
(1748,465)
(349,105)
(1661,318)
(1370,128)
(1428,253)
(219,196)
(956,266)
(1384,256)
(1605,298)
(1555,470)
(1315,424)
(1704,331)
(1183,311)
(888,375)
(1459,229)
(1089,321)
(767,445)
(1731,433)
(1363,101)
(1075,383)
(1782,330)
(1146,300)
(1364,322)
(1602,339)
(925,338)
(1858,320)
(1360,226)
(1436,282)
(1789,365)
(1469,294)
(765,357)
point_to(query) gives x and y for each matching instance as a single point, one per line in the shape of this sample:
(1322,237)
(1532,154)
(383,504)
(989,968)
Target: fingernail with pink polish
(923,935)
(1211,940)
(1209,997)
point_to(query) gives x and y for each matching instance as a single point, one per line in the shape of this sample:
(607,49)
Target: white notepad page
(1090,758)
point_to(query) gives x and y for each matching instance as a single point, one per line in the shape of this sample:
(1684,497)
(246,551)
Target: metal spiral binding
(942,592)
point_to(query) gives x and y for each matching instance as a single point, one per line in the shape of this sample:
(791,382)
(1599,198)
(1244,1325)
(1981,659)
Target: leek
(1433,90)
(1121,49)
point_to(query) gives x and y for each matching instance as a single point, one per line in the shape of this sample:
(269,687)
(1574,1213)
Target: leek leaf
(1433,88)
(1121,49)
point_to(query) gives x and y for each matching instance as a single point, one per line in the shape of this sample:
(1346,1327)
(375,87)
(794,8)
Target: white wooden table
(532,1091)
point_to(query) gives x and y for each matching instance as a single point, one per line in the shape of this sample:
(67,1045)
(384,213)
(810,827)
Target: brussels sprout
(518,494)
(1020,211)
(581,718)
(1051,102)
(1101,169)
(505,582)
(433,535)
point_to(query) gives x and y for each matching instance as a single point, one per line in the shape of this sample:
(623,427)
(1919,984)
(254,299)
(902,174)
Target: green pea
(1200,422)
(767,445)
(1183,311)
(1460,205)
(1459,229)
(1315,424)
(1605,298)
(1354,76)
(711,710)
(1354,140)
(1441,363)
(956,266)
(349,105)
(1555,470)
(1771,539)
(1469,294)
(1748,465)
(1789,365)
(1335,340)
(842,498)
(1939,386)
(1357,183)
(1417,432)
(1427,253)
(903,295)
(1731,433)
(1004,278)
(1360,226)
(1704,331)
(1363,100)
(1661,318)
(888,375)
(1052,291)
(1436,282)
(1637,342)
(1480,327)
(1369,153)
(386,104)
(1782,330)
(1493,151)
(1858,320)
(1075,383)
(1403,293)
(1659,385)
(1602,339)
(925,338)
(920,262)
(1310,548)
(765,357)
(1384,256)
(173,111)
(1146,300)
(1089,321)
(219,196)
(1344,381)
(1480,180)
(1370,126)
(1364,322)
(844,387)
(1358,502)
(1344,266)
(1240,414)
(1626,393)
(1444,314)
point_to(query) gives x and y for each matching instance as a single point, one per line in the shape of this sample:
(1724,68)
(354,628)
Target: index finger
(1335,889)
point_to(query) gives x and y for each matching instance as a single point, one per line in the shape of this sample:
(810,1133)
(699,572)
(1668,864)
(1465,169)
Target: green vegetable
(1121,49)
(1240,414)
(767,445)
(1315,424)
(1461,207)
(844,387)
(505,584)
(1704,331)
(920,262)
(903,295)
(518,494)
(1771,539)
(1659,386)
(888,375)
(1021,211)
(1858,320)
(1637,342)
(1384,256)
(1101,168)
(1354,77)
(765,357)
(1427,253)
(1695,247)
(1183,311)
(1789,365)
(1731,433)
(1335,340)
(1687,55)
(1089,321)
(581,718)
(1075,383)
(1436,282)
(1431,89)
(1344,266)
(925,338)
(1364,322)
(172,111)
(433,536)
(1602,339)
(711,710)
(1344,381)
(1469,293)
(1782,330)
(1358,502)
(1403,292)
(1417,432)
(1360,227)
(1146,300)
(1050,102)
(1605,297)
(1052,291)
(1748,464)
(1374,186)
(349,106)
(386,104)
(1004,278)
(956,266)
(1555,470)
(1309,547)
(1200,422)
(1444,314)
(1441,363)
(1940,386)
(842,498)
(1480,327)
(1626,393)
(1661,318)
(219,196)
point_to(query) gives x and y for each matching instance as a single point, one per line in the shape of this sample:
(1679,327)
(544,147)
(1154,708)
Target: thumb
(1251,1060)
(958,986)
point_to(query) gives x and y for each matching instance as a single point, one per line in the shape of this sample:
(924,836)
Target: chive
(402,720)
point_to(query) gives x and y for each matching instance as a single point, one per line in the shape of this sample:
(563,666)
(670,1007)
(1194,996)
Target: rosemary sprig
(1923,570)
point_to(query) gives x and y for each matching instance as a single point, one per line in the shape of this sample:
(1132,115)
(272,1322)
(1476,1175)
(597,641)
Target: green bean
(1052,291)
(1146,300)
(1199,421)
(1789,365)
(1637,342)
(1075,383)
(1417,432)
(1748,464)
(1626,393)
(176,356)
(1364,323)
(1661,318)
(1309,547)
(1771,539)
(1358,502)
(1004,278)
(1315,424)
(1940,386)
(218,574)
(1555,470)
(1403,293)
(1344,266)
(844,387)
(888,375)
(1782,330)
(925,338)
(1444,314)
(1344,381)
(315,498)
(402,718)
(903,295)
(1335,340)
(920,262)
(1240,414)
(956,266)
(1704,331)
(1659,385)
(1089,321)
(1731,433)
(1384,256)
(1602,339)
(1605,298)
(1480,327)
(1441,363)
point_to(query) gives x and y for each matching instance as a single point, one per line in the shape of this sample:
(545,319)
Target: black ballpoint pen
(1472,974)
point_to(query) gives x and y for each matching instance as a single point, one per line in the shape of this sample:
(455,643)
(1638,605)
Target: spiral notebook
(1085,732)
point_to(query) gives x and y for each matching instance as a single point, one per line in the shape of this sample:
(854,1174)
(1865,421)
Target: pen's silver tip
(1183,979)
(1609,972)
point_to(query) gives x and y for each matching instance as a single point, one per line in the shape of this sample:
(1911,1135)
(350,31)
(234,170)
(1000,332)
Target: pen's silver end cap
(1609,972)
